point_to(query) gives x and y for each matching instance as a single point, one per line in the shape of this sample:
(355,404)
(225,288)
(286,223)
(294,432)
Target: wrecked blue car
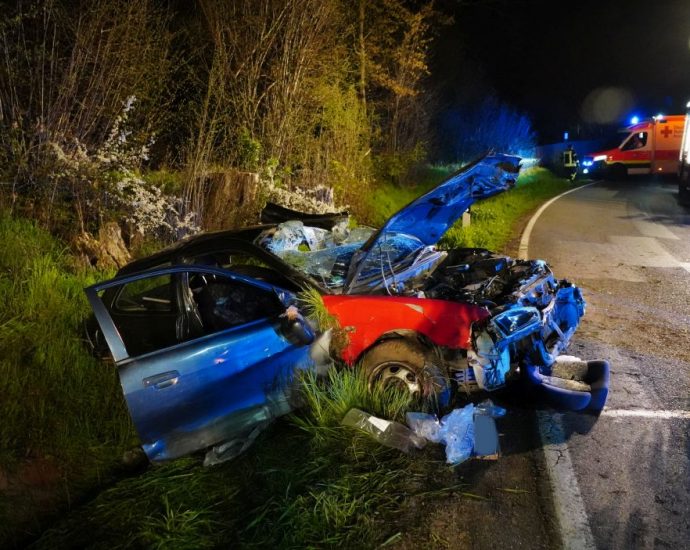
(207,334)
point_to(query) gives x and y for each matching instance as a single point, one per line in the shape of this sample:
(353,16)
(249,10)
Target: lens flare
(606,105)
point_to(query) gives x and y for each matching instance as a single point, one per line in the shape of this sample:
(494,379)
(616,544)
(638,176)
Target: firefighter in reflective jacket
(569,159)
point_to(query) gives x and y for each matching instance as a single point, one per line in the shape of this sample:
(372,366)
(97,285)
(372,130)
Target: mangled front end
(527,316)
(523,341)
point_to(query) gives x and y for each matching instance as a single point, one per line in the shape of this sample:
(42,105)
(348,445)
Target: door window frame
(105,321)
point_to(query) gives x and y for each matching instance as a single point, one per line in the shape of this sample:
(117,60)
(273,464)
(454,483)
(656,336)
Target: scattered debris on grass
(387,432)
(466,432)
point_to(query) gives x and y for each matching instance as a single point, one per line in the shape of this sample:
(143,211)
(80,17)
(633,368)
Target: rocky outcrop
(107,250)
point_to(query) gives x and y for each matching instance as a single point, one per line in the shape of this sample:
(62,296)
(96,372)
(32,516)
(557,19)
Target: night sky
(569,65)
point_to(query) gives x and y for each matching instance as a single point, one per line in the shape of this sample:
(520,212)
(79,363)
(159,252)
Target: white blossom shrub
(319,199)
(113,169)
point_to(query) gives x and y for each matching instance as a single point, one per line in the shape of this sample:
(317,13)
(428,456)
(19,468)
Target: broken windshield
(321,254)
(390,253)
(330,266)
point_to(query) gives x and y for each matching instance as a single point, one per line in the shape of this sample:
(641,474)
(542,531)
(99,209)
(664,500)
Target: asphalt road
(627,244)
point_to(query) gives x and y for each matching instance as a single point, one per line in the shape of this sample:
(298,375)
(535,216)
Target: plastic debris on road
(488,408)
(485,438)
(387,432)
(425,425)
(466,432)
(457,431)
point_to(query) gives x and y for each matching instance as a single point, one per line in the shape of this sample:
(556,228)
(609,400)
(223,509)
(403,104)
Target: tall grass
(328,401)
(58,403)
(307,483)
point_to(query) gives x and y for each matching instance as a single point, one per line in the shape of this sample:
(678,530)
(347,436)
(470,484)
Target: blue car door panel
(235,369)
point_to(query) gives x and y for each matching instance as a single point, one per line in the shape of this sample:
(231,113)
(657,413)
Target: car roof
(219,241)
(195,245)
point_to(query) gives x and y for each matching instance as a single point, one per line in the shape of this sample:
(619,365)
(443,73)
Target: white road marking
(575,531)
(644,413)
(527,233)
(576,534)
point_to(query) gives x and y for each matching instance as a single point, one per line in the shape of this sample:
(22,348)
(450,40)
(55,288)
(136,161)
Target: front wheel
(407,365)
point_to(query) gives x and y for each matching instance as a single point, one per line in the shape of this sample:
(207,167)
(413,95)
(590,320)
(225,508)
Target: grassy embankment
(494,222)
(306,482)
(64,425)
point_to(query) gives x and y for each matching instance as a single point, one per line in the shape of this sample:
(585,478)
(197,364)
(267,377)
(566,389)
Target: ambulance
(684,163)
(651,146)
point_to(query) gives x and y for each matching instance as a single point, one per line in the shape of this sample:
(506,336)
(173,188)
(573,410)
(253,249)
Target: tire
(407,364)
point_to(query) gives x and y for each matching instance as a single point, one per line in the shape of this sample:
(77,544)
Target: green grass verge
(495,221)
(308,482)
(388,198)
(64,419)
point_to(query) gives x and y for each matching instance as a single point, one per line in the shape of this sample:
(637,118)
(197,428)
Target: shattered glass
(328,266)
(322,254)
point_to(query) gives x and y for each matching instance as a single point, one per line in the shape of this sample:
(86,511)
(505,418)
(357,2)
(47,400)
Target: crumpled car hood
(431,215)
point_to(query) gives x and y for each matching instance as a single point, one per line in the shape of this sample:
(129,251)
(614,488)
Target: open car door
(203,354)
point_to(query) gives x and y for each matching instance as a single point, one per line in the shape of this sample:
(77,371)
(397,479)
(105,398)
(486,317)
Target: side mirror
(296,328)
(299,332)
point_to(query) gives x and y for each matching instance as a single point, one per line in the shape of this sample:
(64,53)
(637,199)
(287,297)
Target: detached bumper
(586,390)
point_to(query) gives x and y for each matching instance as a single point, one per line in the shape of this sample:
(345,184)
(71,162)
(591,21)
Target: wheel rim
(393,373)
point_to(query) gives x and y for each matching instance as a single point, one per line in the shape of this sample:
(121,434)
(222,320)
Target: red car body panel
(367,318)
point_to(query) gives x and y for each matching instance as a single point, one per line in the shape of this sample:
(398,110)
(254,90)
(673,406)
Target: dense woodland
(128,111)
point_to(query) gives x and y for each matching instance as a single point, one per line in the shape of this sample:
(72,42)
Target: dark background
(584,66)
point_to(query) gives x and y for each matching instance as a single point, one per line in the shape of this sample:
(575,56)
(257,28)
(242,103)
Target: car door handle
(162,380)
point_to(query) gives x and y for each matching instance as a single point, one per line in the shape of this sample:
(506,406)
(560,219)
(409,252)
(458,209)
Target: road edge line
(527,233)
(573,523)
